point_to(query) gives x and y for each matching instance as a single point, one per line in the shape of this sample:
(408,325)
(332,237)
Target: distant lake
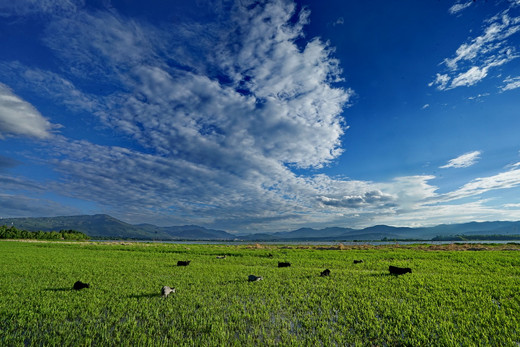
(316,243)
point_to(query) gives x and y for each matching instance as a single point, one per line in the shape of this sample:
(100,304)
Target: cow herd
(165,291)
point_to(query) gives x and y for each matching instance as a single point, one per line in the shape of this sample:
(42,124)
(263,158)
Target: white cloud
(339,21)
(217,136)
(276,96)
(456,8)
(476,97)
(425,106)
(23,206)
(511,83)
(20,118)
(474,59)
(37,7)
(465,160)
(470,77)
(49,85)
(372,199)
(503,180)
(441,81)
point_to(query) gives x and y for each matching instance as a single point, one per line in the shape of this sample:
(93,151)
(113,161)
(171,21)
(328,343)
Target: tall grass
(453,297)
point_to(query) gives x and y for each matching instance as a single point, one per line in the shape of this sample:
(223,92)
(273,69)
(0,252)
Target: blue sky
(255,116)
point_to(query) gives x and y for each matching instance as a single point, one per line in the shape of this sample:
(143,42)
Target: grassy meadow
(456,295)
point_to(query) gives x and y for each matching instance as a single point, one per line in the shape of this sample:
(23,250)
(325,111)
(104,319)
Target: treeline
(13,233)
(476,238)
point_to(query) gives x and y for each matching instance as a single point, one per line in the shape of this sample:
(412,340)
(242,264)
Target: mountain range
(105,226)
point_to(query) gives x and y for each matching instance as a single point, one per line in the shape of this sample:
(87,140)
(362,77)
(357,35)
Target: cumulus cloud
(219,113)
(20,118)
(261,90)
(465,160)
(372,199)
(474,59)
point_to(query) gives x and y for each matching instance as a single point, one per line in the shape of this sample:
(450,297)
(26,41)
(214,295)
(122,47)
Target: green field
(453,297)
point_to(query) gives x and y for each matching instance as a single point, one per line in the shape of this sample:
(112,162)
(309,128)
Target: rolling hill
(105,226)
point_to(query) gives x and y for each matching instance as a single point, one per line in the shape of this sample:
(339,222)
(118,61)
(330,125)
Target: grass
(453,297)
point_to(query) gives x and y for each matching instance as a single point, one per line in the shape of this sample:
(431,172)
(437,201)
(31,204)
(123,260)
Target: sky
(261,116)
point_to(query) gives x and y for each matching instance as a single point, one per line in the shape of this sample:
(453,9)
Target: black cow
(183,263)
(253,278)
(284,264)
(358,261)
(394,270)
(325,272)
(80,285)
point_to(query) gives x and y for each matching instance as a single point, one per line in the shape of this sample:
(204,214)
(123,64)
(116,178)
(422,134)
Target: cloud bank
(218,114)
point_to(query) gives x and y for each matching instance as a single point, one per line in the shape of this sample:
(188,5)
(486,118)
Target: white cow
(165,291)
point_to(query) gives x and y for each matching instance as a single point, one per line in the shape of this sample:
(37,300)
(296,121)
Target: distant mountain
(476,228)
(105,226)
(188,232)
(99,225)
(379,232)
(304,233)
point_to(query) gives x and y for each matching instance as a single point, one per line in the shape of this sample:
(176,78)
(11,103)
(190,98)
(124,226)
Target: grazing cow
(325,272)
(253,278)
(165,291)
(284,264)
(80,285)
(358,261)
(221,257)
(394,270)
(183,263)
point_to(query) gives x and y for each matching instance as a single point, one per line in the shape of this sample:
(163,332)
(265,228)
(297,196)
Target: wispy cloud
(441,80)
(478,186)
(24,206)
(458,7)
(511,83)
(31,7)
(20,118)
(474,59)
(465,160)
(7,163)
(339,21)
(478,96)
